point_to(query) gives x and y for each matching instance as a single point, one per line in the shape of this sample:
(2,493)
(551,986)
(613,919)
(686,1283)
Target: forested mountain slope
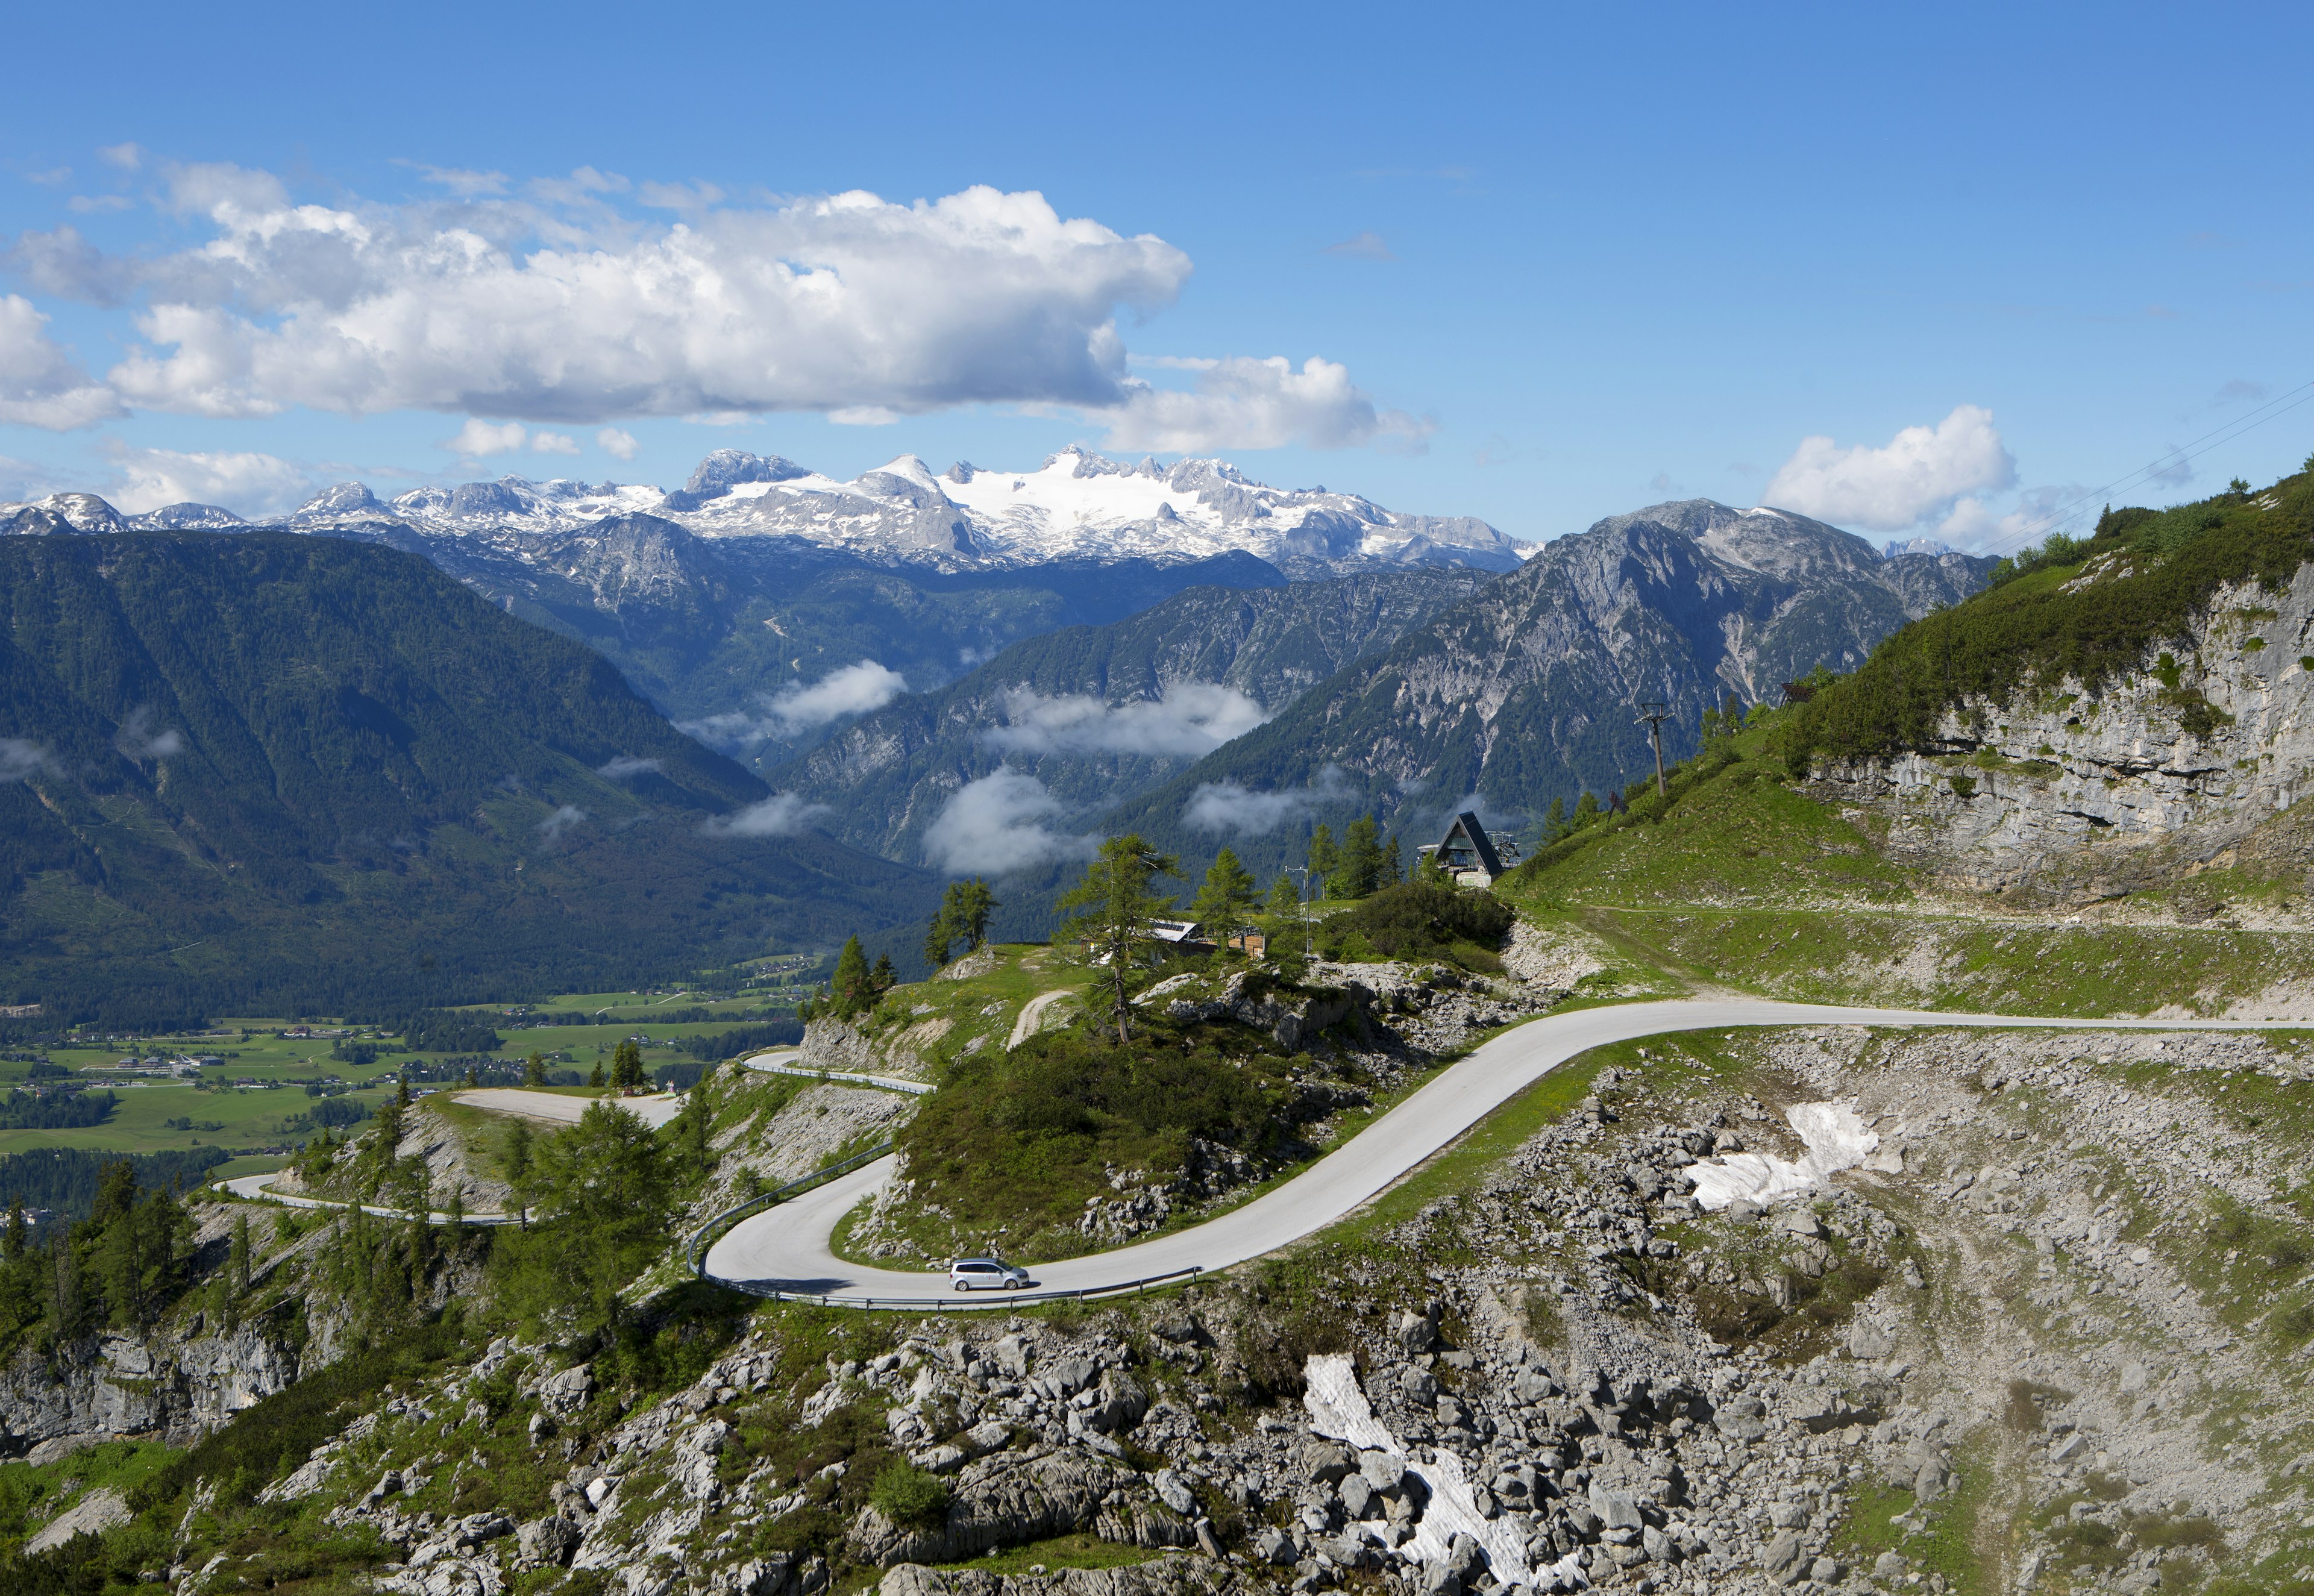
(1530,690)
(1098,712)
(264,773)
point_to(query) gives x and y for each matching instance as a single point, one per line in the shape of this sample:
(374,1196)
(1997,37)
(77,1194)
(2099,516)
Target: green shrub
(909,1497)
(1415,917)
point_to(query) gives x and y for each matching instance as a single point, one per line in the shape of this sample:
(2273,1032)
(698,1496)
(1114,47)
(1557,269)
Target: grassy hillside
(275,774)
(1742,881)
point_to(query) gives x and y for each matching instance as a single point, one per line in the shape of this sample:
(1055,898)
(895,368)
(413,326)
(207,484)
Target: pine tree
(238,1263)
(1393,863)
(627,1068)
(1357,867)
(533,1068)
(514,1157)
(939,937)
(699,1129)
(1324,859)
(849,987)
(1225,900)
(1119,909)
(1284,898)
(883,978)
(974,905)
(1554,820)
(14,1246)
(595,1079)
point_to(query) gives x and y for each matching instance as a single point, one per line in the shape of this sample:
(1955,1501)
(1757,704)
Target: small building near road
(1471,854)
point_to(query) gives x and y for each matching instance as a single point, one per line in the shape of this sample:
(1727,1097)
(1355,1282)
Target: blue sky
(1555,264)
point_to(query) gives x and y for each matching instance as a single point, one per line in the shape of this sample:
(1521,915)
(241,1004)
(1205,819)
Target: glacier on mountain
(1076,505)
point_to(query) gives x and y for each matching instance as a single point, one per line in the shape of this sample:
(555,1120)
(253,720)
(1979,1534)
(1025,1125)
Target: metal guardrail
(705,1237)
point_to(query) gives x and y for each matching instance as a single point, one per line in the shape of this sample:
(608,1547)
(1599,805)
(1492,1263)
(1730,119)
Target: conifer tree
(594,1079)
(627,1067)
(1284,898)
(533,1068)
(1393,863)
(515,1158)
(1357,868)
(883,978)
(850,988)
(974,905)
(238,1263)
(1324,859)
(1225,900)
(1118,909)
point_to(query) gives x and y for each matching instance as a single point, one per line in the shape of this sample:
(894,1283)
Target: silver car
(969,1274)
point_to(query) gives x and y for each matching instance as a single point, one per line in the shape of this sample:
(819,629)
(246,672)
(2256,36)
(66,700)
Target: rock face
(124,1384)
(2088,793)
(93,1514)
(1521,691)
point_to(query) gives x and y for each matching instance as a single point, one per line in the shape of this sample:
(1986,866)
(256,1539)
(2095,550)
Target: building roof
(1466,827)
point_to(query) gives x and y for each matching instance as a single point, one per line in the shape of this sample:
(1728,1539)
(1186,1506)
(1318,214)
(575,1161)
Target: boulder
(1174,1490)
(1783,1562)
(999,1501)
(547,1543)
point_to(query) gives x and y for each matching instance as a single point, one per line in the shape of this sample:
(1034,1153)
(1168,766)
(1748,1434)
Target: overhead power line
(2281,404)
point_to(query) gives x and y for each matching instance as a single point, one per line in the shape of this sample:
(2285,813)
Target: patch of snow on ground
(1835,1139)
(1340,1411)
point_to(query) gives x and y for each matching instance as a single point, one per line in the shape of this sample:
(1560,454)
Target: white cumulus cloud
(800,706)
(1919,474)
(852,689)
(477,438)
(564,304)
(564,817)
(998,825)
(1243,402)
(619,442)
(40,385)
(1192,719)
(20,759)
(247,484)
(142,736)
(553,443)
(782,814)
(580,313)
(1230,807)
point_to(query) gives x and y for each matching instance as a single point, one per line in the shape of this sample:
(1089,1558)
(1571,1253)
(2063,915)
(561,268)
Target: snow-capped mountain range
(1078,505)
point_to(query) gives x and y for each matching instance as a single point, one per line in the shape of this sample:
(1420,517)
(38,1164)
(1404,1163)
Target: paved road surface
(256,1186)
(784,1062)
(555,1108)
(788,1246)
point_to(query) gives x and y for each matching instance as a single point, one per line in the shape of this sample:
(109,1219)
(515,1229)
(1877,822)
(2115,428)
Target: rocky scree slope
(1528,690)
(2008,1354)
(1097,713)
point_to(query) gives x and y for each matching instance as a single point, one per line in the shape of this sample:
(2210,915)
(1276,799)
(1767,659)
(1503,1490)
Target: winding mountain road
(787,1248)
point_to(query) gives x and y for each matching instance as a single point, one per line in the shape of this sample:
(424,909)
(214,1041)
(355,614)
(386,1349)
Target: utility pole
(1655,715)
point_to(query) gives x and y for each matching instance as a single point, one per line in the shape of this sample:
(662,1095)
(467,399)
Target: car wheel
(955,1285)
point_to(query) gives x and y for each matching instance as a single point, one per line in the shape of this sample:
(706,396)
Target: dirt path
(1032,1016)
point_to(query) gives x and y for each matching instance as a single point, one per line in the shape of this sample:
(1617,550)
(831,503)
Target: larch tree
(1120,912)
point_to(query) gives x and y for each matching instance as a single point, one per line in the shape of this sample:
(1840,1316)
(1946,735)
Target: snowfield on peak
(1077,506)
